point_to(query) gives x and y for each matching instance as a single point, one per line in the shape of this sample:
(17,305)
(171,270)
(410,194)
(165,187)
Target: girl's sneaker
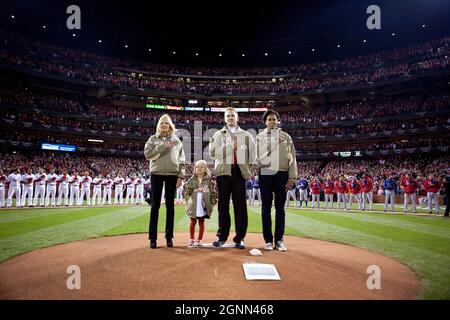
(199,243)
(191,243)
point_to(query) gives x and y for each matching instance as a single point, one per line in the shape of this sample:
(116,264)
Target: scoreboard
(200,109)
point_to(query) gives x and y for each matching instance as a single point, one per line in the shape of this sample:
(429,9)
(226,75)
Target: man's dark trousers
(235,187)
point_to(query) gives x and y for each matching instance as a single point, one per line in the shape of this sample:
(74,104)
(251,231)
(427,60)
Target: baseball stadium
(295,151)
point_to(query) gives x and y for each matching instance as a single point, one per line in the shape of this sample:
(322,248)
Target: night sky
(231,28)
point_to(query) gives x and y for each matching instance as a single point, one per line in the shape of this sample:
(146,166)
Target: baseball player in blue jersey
(389,187)
(291,194)
(303,186)
(255,191)
(249,190)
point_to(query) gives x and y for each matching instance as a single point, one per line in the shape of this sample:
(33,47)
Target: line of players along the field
(349,189)
(41,189)
(51,189)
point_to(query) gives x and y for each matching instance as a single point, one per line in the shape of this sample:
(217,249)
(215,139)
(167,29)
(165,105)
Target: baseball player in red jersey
(409,186)
(355,189)
(432,186)
(366,189)
(315,187)
(329,191)
(342,192)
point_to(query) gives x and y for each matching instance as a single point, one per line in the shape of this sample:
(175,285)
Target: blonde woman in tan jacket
(165,152)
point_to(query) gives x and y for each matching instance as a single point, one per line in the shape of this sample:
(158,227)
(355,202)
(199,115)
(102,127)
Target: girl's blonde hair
(165,118)
(202,163)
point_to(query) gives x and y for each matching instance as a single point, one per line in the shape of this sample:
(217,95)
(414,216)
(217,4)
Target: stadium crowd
(70,63)
(322,132)
(319,115)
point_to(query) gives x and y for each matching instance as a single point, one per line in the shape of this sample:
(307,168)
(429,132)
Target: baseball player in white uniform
(2,188)
(179,196)
(130,183)
(51,188)
(86,181)
(27,183)
(74,183)
(63,190)
(118,189)
(39,188)
(140,190)
(14,188)
(107,189)
(97,191)
(148,190)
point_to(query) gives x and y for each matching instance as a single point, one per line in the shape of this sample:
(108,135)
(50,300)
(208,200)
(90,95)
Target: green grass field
(422,242)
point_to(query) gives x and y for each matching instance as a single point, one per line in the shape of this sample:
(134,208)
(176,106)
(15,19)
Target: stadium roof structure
(232,33)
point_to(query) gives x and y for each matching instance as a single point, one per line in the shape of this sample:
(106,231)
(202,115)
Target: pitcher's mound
(124,267)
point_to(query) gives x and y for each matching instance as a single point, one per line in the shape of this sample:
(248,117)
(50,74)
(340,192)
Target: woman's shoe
(268,246)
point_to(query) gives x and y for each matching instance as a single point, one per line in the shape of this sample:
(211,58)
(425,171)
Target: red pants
(201,223)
